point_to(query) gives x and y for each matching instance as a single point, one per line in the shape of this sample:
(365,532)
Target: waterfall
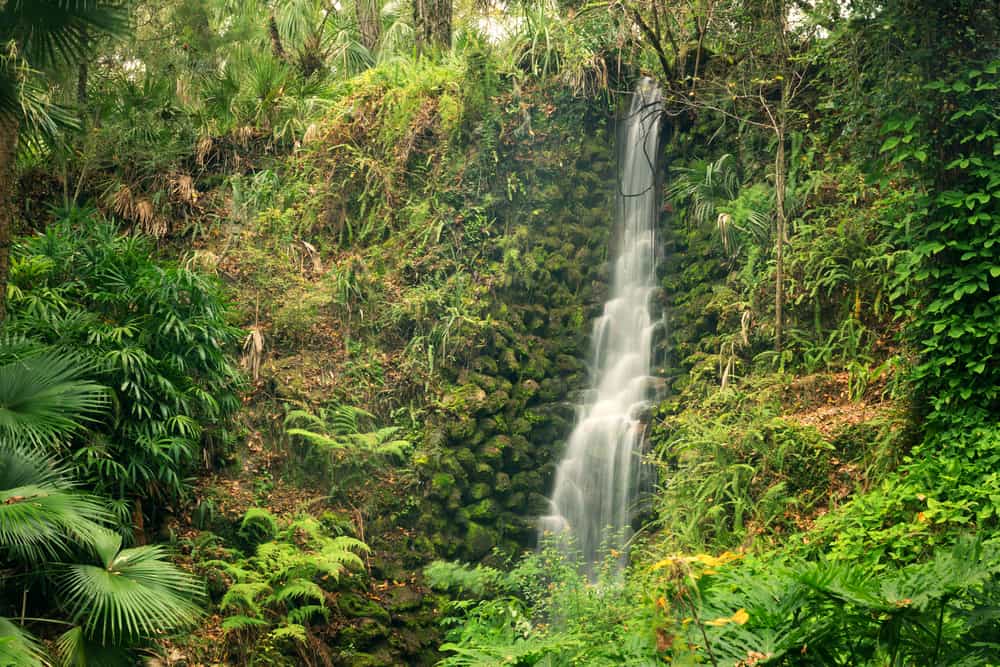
(597,479)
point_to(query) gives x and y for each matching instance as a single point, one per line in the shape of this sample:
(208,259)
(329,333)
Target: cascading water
(597,479)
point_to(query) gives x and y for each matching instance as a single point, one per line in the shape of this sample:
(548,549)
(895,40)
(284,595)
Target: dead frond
(253,352)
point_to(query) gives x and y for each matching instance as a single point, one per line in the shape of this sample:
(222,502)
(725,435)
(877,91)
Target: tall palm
(36,35)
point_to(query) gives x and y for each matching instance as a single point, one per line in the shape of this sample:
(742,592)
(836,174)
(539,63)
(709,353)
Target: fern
(244,596)
(260,523)
(307,613)
(292,631)
(238,623)
(297,590)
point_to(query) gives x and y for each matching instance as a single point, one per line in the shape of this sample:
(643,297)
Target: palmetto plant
(711,191)
(128,594)
(45,521)
(41,512)
(36,35)
(44,397)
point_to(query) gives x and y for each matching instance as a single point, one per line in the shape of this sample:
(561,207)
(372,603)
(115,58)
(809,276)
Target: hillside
(299,334)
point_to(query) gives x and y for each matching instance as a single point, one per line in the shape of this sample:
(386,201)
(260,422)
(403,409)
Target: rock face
(490,448)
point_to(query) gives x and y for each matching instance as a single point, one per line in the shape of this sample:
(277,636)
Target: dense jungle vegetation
(295,299)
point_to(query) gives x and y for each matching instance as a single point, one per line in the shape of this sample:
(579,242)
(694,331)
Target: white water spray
(597,479)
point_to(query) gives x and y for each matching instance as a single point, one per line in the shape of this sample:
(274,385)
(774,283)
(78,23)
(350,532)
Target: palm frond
(18,648)
(133,592)
(40,513)
(53,32)
(44,398)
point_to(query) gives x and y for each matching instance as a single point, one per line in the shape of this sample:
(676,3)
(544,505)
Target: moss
(502,484)
(479,491)
(484,511)
(353,605)
(442,484)
(363,632)
(479,540)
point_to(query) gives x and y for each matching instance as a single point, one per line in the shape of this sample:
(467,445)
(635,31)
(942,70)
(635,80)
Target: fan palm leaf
(132,593)
(40,513)
(18,648)
(35,34)
(44,398)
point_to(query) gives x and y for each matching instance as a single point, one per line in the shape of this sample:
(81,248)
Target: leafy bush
(155,333)
(50,531)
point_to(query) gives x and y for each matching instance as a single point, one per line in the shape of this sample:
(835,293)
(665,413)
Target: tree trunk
(277,48)
(432,19)
(779,197)
(8,150)
(82,74)
(366,13)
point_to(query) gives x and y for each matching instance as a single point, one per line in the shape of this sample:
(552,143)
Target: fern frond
(297,589)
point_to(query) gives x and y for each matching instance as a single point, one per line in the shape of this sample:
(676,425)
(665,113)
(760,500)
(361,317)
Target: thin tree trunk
(8,150)
(276,46)
(366,13)
(432,19)
(82,74)
(779,196)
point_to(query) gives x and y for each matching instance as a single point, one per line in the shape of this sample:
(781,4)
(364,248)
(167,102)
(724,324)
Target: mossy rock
(487,383)
(363,632)
(466,459)
(502,484)
(454,500)
(442,485)
(484,511)
(484,472)
(353,605)
(495,402)
(493,451)
(517,501)
(525,390)
(509,364)
(519,454)
(537,504)
(480,490)
(551,389)
(526,481)
(402,598)
(485,365)
(465,399)
(520,426)
(461,426)
(492,425)
(479,540)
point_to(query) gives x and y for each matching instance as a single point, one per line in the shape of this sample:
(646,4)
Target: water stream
(597,480)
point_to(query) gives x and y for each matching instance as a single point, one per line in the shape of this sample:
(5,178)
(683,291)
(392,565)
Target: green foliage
(156,334)
(18,648)
(939,612)
(278,593)
(543,611)
(130,594)
(340,435)
(949,278)
(734,471)
(41,513)
(259,523)
(43,396)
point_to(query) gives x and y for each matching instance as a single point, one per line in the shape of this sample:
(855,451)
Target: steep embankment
(432,254)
